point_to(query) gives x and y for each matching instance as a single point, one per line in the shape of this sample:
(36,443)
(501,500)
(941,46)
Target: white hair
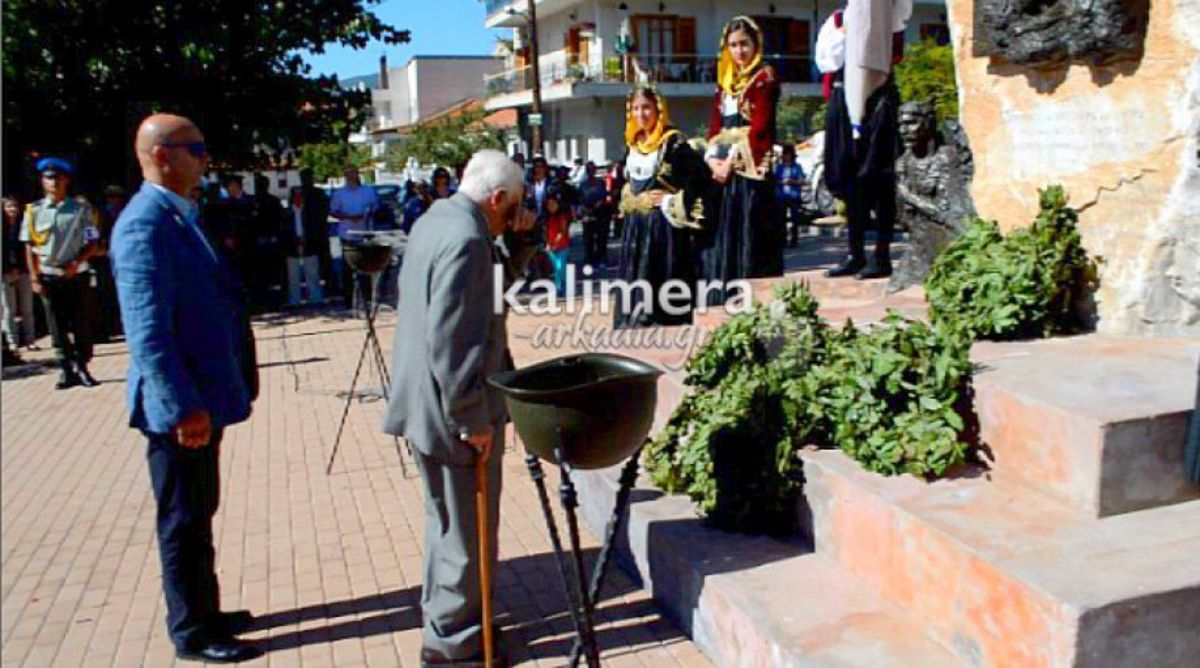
(488,171)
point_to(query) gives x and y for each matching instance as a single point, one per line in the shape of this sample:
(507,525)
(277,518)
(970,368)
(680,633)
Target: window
(787,46)
(578,43)
(665,46)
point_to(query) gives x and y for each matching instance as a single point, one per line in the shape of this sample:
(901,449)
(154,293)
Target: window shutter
(798,38)
(685,36)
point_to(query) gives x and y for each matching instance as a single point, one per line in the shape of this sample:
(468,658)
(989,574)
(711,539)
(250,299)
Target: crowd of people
(285,252)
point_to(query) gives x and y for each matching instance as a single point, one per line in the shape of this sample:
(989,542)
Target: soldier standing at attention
(61,235)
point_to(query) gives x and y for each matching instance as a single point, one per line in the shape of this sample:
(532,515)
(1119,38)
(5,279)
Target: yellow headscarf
(647,142)
(732,79)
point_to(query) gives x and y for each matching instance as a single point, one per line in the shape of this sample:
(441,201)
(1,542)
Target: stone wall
(1123,139)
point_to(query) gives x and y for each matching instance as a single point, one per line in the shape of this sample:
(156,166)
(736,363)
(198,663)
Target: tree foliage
(329,159)
(800,117)
(449,141)
(80,74)
(927,75)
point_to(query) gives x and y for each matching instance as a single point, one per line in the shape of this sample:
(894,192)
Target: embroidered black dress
(653,249)
(747,237)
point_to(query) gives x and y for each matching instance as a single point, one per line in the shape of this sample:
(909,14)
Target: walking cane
(485,565)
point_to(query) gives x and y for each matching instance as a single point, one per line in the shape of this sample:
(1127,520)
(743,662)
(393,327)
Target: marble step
(1098,422)
(1008,577)
(753,602)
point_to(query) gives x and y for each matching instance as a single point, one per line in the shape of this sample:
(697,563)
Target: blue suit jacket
(184,319)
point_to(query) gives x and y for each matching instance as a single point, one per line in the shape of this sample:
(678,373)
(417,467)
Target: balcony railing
(658,68)
(494,6)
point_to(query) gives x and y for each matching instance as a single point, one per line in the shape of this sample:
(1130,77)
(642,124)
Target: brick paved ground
(331,564)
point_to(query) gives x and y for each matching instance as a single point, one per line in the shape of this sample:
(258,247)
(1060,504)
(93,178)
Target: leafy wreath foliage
(1024,285)
(778,378)
(896,397)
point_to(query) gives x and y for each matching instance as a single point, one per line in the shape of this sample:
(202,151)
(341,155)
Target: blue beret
(56,165)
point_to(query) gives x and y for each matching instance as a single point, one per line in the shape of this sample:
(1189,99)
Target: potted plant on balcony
(577,73)
(613,69)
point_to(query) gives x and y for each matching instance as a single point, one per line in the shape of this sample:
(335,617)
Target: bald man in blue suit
(191,375)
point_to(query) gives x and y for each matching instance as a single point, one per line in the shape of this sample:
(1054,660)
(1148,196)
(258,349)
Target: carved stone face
(916,122)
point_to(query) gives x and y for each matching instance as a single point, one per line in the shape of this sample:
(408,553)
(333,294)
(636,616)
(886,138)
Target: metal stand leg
(587,635)
(582,596)
(539,480)
(627,480)
(371,343)
(337,440)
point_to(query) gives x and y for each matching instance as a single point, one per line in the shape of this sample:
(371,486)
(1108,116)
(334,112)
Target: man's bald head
(162,128)
(171,152)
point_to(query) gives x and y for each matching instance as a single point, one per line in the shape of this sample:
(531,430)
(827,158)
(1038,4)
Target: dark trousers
(862,171)
(872,196)
(793,209)
(595,238)
(186,485)
(69,316)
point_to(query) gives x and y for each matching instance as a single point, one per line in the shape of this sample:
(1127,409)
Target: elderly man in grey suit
(449,338)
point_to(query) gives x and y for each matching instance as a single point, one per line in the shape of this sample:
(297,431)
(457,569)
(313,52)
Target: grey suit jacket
(449,338)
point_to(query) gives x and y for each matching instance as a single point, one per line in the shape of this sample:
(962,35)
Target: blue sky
(439,28)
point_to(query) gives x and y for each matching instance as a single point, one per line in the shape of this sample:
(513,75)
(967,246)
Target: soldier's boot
(850,266)
(84,376)
(67,376)
(881,263)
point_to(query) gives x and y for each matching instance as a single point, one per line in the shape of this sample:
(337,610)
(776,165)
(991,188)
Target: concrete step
(753,602)
(1098,422)
(1008,577)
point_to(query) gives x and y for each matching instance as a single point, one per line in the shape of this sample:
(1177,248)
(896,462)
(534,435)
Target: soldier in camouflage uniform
(61,235)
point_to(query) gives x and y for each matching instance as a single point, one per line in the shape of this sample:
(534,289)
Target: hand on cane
(481,443)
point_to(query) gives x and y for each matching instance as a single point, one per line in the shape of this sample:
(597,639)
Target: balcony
(558,71)
(498,14)
(496,6)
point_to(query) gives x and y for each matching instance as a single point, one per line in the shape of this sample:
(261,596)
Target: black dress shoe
(66,380)
(231,623)
(849,267)
(431,658)
(85,377)
(876,270)
(434,659)
(220,651)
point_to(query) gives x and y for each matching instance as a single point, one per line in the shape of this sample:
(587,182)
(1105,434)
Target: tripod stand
(370,346)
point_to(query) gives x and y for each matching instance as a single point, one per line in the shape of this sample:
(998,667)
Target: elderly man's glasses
(197,149)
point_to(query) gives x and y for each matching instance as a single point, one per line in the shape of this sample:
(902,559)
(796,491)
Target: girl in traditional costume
(663,202)
(746,240)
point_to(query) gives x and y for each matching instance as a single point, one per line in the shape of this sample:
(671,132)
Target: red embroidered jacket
(757,106)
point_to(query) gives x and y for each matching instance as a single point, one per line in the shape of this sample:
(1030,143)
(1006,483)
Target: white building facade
(424,86)
(591,51)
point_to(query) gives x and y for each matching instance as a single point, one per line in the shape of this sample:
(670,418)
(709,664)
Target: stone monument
(1111,112)
(932,197)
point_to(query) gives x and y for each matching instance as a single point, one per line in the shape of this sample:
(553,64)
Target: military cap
(58,165)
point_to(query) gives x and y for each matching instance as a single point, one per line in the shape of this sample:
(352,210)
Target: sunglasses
(197,149)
